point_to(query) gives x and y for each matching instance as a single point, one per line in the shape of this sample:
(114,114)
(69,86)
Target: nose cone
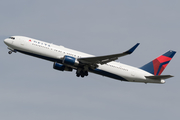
(7,41)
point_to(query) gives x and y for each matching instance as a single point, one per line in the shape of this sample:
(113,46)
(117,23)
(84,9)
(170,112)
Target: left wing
(105,59)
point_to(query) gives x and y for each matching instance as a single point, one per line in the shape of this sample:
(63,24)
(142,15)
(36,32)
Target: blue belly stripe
(40,56)
(107,74)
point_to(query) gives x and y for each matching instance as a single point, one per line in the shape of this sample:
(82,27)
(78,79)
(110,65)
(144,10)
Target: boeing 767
(66,59)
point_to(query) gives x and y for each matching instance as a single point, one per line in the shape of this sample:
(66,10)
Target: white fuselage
(55,53)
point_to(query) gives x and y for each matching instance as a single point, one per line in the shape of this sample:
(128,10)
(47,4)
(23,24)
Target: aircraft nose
(6,41)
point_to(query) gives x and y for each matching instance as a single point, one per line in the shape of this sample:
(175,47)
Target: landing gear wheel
(81,73)
(86,73)
(10,52)
(77,75)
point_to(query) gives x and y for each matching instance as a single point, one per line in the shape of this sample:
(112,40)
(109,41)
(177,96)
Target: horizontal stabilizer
(159,77)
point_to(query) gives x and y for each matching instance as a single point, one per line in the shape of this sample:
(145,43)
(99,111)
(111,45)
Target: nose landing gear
(10,52)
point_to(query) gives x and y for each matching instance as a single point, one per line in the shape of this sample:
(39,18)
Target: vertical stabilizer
(157,66)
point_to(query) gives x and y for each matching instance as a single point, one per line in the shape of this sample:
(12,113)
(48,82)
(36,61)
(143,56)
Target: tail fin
(157,66)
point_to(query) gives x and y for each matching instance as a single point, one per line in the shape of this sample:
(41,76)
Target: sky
(31,89)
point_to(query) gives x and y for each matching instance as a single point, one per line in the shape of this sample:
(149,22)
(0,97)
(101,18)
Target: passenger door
(21,42)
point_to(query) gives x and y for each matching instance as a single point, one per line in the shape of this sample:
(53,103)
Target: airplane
(65,59)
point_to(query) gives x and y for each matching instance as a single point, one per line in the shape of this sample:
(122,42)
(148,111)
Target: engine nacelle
(61,67)
(68,60)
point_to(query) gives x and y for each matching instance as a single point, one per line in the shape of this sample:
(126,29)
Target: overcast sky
(30,89)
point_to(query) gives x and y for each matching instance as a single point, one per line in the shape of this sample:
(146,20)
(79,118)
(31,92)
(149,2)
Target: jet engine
(61,67)
(70,61)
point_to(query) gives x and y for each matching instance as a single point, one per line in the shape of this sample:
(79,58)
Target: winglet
(132,49)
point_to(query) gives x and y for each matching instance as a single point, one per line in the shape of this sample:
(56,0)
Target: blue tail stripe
(170,54)
(148,67)
(161,66)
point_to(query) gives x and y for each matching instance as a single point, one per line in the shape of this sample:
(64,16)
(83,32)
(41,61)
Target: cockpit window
(12,38)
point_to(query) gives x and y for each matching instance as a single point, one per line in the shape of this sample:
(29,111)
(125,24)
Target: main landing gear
(81,72)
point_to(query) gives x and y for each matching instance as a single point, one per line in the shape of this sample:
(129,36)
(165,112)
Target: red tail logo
(160,64)
(157,66)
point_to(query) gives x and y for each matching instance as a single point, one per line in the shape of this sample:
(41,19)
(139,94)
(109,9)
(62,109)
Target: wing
(105,59)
